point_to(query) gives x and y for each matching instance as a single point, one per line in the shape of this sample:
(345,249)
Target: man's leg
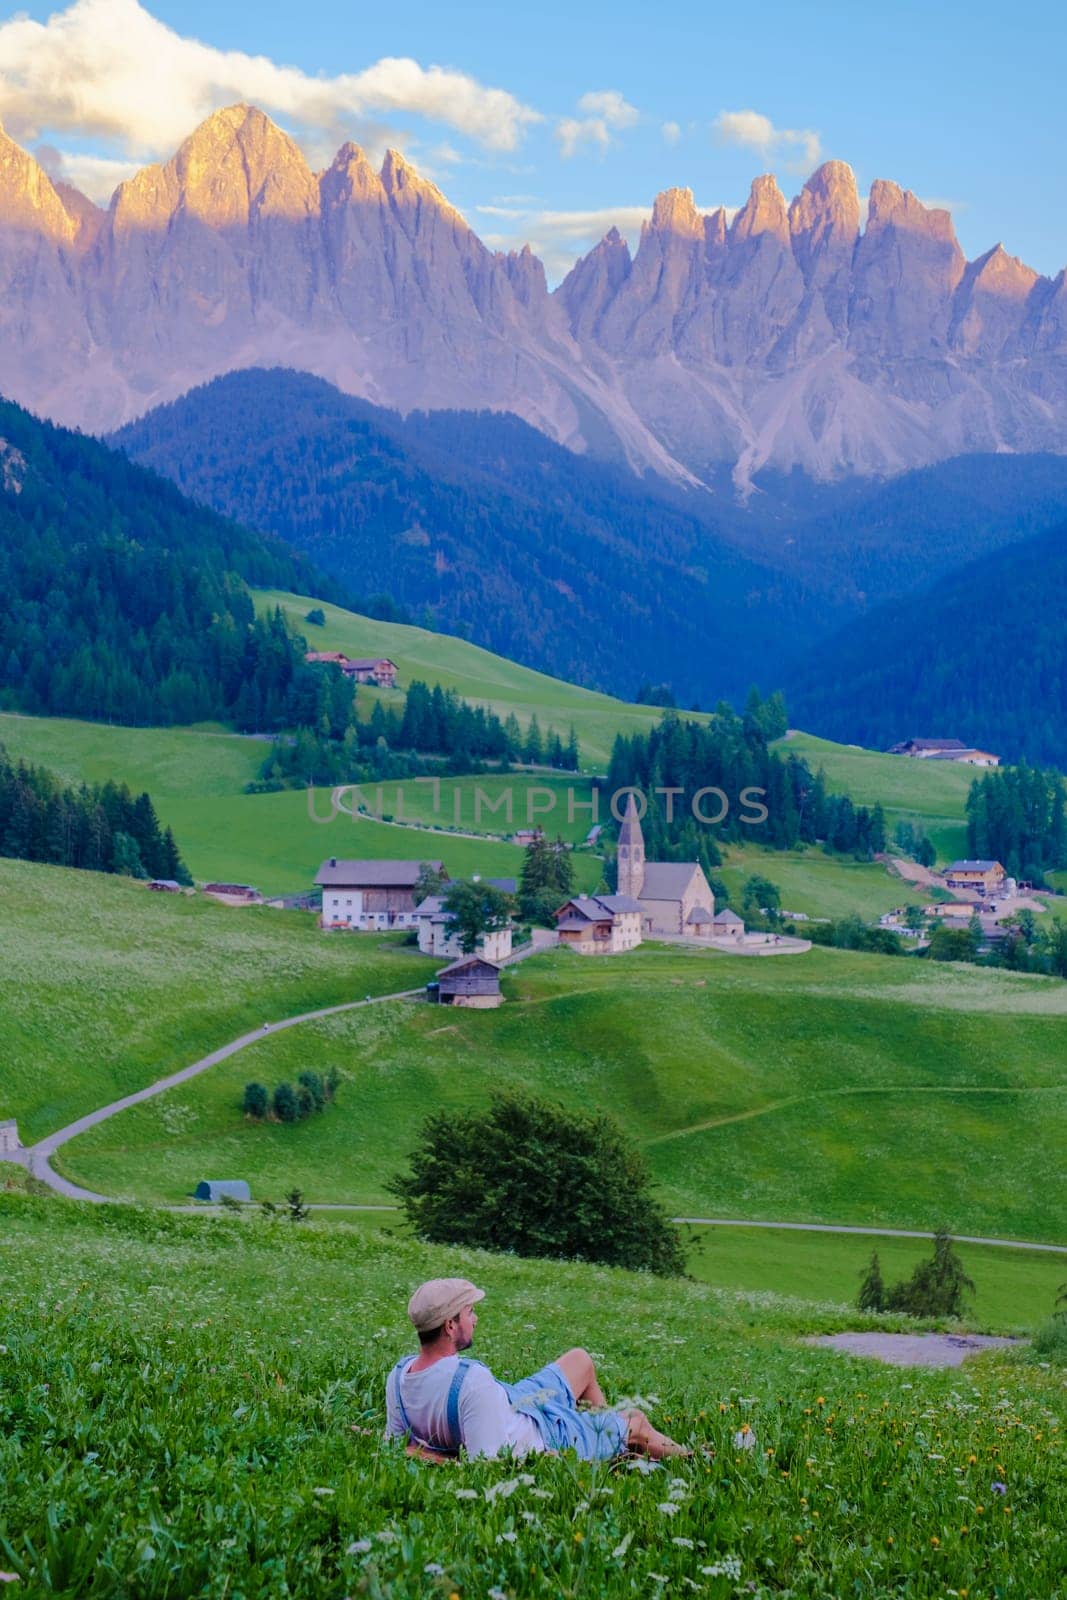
(648,1441)
(578,1369)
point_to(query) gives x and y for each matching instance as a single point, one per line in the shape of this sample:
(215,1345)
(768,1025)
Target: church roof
(728,918)
(667,880)
(630,828)
(700,914)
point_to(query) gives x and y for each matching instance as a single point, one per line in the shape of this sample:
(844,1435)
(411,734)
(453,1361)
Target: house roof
(729,918)
(618,902)
(667,880)
(468,964)
(505,885)
(973,866)
(572,924)
(700,914)
(372,874)
(430,906)
(929,744)
(368,663)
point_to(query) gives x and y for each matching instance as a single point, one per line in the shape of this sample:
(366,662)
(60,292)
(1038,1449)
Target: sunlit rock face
(791,336)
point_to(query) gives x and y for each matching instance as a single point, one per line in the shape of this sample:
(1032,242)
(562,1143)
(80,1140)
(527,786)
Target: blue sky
(558,119)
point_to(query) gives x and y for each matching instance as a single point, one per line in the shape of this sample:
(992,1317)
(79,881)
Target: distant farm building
(378,670)
(728,925)
(599,925)
(370,894)
(214,1190)
(944,750)
(233,893)
(472,982)
(983,877)
(165,886)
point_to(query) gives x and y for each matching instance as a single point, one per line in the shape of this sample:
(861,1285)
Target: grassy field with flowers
(828,1087)
(192,1408)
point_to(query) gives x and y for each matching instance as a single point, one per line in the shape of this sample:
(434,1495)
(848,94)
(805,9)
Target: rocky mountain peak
(891,206)
(674,212)
(89,220)
(350,178)
(999,273)
(407,190)
(28,199)
(826,209)
(764,211)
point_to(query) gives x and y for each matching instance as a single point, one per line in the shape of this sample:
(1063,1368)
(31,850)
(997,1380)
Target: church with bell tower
(674,896)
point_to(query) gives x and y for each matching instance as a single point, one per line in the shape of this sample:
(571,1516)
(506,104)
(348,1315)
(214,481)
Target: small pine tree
(284,1103)
(298,1211)
(256,1102)
(312,1082)
(872,1295)
(938,1287)
(333,1083)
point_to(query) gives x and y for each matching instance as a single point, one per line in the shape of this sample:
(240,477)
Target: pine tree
(872,1295)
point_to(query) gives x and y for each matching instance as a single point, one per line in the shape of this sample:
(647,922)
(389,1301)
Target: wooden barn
(471,981)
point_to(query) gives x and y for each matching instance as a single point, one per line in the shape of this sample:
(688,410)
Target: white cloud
(107,69)
(753,131)
(96,176)
(671,132)
(604,113)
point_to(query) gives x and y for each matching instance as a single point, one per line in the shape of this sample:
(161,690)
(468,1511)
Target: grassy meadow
(475,674)
(106,987)
(193,1407)
(827,1087)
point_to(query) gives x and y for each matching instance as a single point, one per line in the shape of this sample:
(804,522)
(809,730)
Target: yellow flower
(821,1400)
(934,1540)
(965,1529)
(798,1538)
(971,1460)
(579,1536)
(890,1539)
(980,1510)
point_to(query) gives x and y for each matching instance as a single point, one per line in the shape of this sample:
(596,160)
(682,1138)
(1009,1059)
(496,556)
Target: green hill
(475,674)
(207,1398)
(794,1087)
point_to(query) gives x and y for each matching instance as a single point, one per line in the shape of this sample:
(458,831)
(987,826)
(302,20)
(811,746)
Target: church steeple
(631,855)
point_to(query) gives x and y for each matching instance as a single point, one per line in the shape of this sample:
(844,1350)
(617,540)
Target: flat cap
(434,1302)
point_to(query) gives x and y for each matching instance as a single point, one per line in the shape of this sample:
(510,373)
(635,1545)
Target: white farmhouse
(435,939)
(370,894)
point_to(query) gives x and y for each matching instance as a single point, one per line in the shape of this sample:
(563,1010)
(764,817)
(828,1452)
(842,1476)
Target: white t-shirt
(487,1423)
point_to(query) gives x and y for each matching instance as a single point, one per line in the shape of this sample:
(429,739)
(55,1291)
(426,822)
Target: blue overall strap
(451,1407)
(452,1404)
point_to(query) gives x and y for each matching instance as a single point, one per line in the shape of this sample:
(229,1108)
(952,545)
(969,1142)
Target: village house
(599,925)
(378,670)
(472,982)
(436,940)
(944,750)
(983,877)
(728,925)
(674,896)
(370,894)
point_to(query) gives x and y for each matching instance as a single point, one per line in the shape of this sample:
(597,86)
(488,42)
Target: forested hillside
(479,525)
(122,600)
(981,657)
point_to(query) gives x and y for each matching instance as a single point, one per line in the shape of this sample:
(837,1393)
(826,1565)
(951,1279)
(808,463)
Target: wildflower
(934,1540)
(466,1494)
(541,1494)
(798,1538)
(387,1536)
(433,1569)
(579,1536)
(971,1460)
(502,1490)
(890,1540)
(669,1508)
(659,1577)
(509,1536)
(821,1400)
(998,1488)
(494,1594)
(324,1491)
(643,1465)
(744,1438)
(359,1547)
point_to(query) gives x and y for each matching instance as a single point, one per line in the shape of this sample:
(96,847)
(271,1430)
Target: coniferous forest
(103,828)
(122,601)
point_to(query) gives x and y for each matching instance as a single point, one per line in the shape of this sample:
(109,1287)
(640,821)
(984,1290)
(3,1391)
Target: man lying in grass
(442,1404)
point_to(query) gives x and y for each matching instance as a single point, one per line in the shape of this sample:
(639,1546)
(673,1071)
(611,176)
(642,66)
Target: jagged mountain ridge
(788,338)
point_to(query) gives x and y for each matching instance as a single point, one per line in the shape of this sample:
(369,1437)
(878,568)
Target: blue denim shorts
(547,1397)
